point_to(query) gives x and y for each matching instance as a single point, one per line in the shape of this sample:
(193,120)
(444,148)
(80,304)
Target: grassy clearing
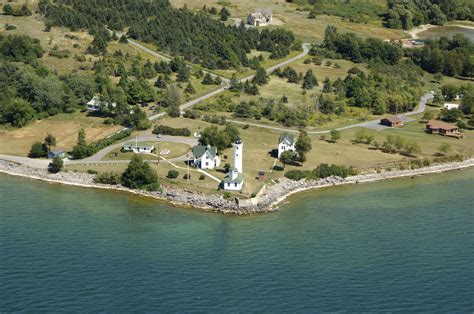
(63,126)
(33,26)
(293,18)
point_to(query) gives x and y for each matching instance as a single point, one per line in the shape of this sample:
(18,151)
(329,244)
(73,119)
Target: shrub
(166,130)
(227,195)
(38,150)
(108,178)
(295,175)
(91,171)
(56,165)
(187,176)
(202,177)
(172,174)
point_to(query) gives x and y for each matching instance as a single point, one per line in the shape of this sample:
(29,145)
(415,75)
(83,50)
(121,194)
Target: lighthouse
(238,155)
(235,178)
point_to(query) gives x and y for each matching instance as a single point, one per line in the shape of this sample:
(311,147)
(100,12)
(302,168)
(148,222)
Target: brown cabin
(391,121)
(443,128)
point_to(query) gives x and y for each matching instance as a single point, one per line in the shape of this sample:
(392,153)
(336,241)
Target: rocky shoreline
(267,201)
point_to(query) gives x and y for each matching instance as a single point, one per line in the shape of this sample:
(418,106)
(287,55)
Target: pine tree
(309,80)
(208,80)
(260,77)
(189,89)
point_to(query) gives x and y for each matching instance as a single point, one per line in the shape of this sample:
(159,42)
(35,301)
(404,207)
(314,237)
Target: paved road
(35,163)
(373,124)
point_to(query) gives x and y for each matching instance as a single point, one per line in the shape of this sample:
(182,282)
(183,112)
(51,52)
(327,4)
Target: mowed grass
(295,19)
(33,26)
(62,126)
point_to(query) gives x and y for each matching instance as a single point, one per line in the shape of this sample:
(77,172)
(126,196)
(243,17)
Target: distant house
(61,153)
(205,157)
(139,147)
(96,104)
(391,121)
(450,106)
(261,17)
(286,143)
(443,128)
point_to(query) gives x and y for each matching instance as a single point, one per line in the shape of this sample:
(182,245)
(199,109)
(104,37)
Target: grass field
(295,19)
(62,126)
(33,26)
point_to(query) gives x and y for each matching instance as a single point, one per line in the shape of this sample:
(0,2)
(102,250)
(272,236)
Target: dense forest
(451,57)
(409,13)
(197,37)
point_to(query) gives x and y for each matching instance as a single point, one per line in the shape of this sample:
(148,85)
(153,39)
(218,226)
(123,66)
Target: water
(403,245)
(448,31)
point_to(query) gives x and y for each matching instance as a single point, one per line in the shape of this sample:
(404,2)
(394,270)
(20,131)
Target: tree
(183,74)
(335,135)
(235,84)
(38,150)
(172,174)
(123,39)
(50,141)
(139,175)
(260,77)
(7,9)
(56,165)
(189,89)
(438,77)
(309,80)
(173,95)
(303,145)
(412,148)
(207,80)
(18,112)
(444,148)
(224,14)
(81,137)
(287,158)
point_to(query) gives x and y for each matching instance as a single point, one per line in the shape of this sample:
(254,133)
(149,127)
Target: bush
(166,130)
(227,195)
(325,170)
(108,178)
(202,177)
(38,150)
(187,176)
(172,174)
(83,151)
(56,165)
(296,175)
(90,171)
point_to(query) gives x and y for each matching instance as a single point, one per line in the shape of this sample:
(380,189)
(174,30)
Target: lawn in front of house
(63,126)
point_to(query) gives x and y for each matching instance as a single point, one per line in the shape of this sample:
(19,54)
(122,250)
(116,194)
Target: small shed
(391,121)
(61,153)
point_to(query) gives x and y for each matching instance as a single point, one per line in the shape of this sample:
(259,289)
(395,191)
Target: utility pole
(187,177)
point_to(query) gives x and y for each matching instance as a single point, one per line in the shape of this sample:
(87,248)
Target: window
(235,184)
(228,184)
(207,164)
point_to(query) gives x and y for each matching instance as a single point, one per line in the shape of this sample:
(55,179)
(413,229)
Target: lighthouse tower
(238,155)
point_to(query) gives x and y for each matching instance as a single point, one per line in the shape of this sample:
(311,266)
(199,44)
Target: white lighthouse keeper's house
(235,178)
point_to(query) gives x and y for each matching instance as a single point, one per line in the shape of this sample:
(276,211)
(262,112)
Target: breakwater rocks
(265,201)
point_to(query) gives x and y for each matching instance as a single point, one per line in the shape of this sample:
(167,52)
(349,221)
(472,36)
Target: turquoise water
(403,245)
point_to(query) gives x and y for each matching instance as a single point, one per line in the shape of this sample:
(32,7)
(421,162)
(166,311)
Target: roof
(392,119)
(257,16)
(139,144)
(239,179)
(288,138)
(267,12)
(58,151)
(436,124)
(200,150)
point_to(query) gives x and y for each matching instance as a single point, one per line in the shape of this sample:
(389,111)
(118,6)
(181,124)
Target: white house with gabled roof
(205,157)
(286,143)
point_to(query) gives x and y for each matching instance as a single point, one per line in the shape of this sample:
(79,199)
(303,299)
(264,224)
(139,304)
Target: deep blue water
(403,245)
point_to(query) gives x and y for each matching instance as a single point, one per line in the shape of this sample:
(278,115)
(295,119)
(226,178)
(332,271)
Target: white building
(96,103)
(286,143)
(450,106)
(139,147)
(205,157)
(261,17)
(235,178)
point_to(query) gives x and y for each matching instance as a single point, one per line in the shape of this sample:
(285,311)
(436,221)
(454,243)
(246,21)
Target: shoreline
(268,201)
(422,28)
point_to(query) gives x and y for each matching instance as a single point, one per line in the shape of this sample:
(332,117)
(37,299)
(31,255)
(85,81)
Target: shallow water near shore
(404,244)
(448,31)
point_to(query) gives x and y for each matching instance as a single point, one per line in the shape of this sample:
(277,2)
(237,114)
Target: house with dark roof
(205,157)
(391,121)
(443,128)
(60,152)
(286,142)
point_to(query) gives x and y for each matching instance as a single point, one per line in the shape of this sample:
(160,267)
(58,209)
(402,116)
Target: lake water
(448,31)
(401,245)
